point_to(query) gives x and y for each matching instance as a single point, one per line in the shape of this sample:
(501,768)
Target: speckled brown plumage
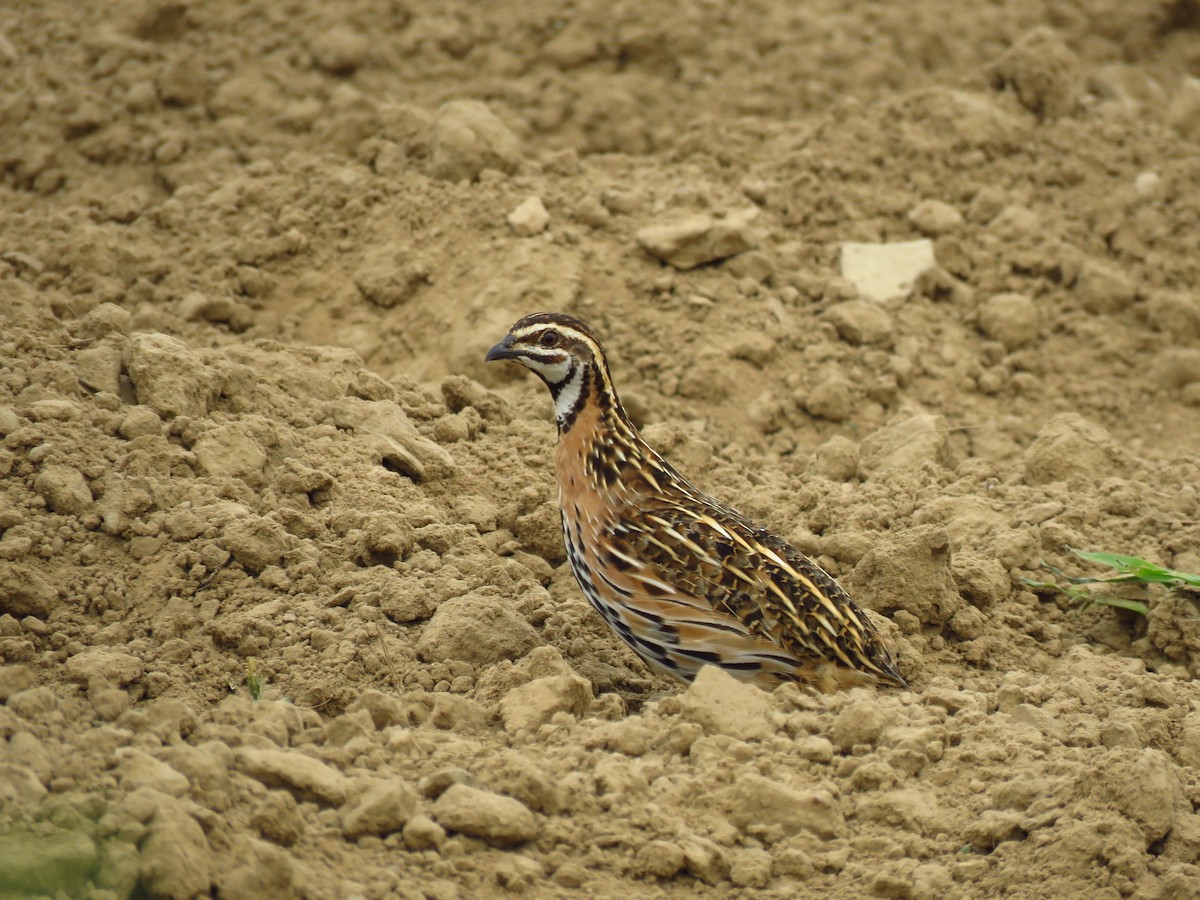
(683,579)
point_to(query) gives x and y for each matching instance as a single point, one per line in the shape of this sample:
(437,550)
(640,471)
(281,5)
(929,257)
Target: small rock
(1183,113)
(340,50)
(531,705)
(886,271)
(24,592)
(750,868)
(308,777)
(1145,785)
(262,870)
(698,239)
(831,399)
(935,218)
(256,542)
(137,769)
(1016,223)
(1043,71)
(231,450)
(1069,448)
(33,703)
(836,459)
(1177,367)
(659,859)
(1011,319)
(390,276)
(422,833)
(466,138)
(65,490)
(106,664)
(908,570)
(758,801)
(1103,289)
(476,628)
(721,704)
(529,218)
(100,367)
(704,859)
(176,858)
(381,807)
(906,445)
(859,323)
(139,421)
(501,821)
(386,419)
(9,421)
(169,376)
(15,678)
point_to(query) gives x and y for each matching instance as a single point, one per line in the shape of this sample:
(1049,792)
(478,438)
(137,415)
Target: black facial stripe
(537,356)
(557,387)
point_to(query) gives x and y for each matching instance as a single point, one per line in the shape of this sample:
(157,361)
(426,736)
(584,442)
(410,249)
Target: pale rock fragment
(884,272)
(531,705)
(699,238)
(137,769)
(908,444)
(389,422)
(1044,72)
(501,821)
(261,870)
(231,450)
(529,218)
(1011,319)
(935,218)
(467,137)
(1104,289)
(721,704)
(1183,113)
(113,666)
(169,376)
(64,489)
(859,322)
(758,801)
(476,628)
(176,858)
(908,570)
(381,806)
(302,774)
(1070,448)
(25,592)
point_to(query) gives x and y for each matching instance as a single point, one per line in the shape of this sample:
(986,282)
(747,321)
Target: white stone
(529,218)
(886,271)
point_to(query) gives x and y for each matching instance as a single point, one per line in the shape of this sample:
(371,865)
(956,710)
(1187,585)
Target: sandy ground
(251,257)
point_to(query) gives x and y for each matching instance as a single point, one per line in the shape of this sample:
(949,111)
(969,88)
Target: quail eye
(549,339)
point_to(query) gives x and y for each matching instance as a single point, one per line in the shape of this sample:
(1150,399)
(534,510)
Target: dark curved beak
(502,350)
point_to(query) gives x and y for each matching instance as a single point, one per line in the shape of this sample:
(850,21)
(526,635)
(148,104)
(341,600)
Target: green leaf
(1134,569)
(1134,606)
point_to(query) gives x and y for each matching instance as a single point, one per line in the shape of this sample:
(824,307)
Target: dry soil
(251,257)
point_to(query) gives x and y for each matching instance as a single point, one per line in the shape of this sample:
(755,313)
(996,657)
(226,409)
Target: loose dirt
(283,603)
